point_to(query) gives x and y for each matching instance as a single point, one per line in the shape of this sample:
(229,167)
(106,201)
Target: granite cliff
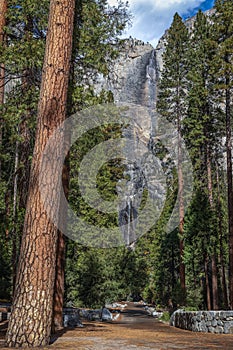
(133,79)
(137,62)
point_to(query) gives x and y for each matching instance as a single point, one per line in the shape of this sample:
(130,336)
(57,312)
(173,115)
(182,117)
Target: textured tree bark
(58,298)
(59,284)
(31,317)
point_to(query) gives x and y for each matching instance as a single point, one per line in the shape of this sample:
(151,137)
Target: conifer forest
(52,54)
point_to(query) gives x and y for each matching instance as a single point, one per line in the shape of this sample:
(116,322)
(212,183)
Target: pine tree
(97,44)
(31,325)
(97,26)
(223,68)
(22,55)
(201,134)
(172,105)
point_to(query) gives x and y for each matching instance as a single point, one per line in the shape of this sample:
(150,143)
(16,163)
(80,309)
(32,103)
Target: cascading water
(141,168)
(151,81)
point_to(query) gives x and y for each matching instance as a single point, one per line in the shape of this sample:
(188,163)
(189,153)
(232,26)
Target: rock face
(127,78)
(133,79)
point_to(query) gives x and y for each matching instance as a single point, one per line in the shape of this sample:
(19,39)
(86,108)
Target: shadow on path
(135,330)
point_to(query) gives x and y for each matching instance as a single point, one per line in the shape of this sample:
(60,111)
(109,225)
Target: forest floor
(135,330)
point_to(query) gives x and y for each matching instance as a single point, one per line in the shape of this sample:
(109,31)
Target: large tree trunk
(32,309)
(59,286)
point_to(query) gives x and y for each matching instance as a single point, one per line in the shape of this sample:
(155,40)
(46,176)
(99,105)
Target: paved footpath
(136,330)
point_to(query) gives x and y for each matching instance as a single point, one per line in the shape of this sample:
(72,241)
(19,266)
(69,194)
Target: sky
(152,17)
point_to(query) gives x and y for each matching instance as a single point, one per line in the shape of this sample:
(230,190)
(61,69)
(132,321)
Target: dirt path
(136,330)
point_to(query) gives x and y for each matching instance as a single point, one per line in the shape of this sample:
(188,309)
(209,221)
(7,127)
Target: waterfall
(133,81)
(151,75)
(131,201)
(135,173)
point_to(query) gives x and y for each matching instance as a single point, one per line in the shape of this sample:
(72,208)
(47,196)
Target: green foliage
(172,87)
(96,44)
(222,29)
(91,276)
(5,267)
(192,93)
(98,276)
(98,27)
(165,317)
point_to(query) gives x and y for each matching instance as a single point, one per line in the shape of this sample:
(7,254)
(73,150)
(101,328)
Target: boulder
(72,320)
(106,315)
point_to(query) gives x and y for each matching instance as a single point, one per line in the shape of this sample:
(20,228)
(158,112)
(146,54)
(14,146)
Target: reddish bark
(31,317)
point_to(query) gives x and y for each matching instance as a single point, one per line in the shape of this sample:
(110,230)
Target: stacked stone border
(219,322)
(4,316)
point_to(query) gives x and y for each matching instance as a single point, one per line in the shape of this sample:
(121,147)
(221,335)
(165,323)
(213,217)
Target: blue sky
(152,17)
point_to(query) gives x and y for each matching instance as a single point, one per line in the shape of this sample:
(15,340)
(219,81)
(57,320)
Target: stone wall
(204,321)
(4,316)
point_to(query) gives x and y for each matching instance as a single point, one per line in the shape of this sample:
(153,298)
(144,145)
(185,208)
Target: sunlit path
(136,330)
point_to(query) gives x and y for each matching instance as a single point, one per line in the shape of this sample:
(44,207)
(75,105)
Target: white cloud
(159,4)
(153,17)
